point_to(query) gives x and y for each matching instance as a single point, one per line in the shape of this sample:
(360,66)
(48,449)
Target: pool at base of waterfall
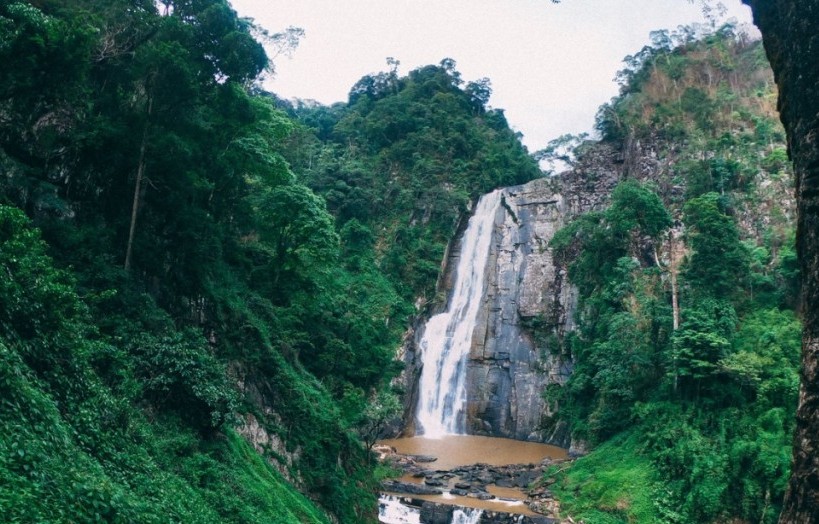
(465,475)
(462,450)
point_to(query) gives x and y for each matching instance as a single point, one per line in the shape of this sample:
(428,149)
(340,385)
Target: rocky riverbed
(513,493)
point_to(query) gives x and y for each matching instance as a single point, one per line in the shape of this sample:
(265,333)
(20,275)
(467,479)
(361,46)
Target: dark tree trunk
(138,184)
(790,31)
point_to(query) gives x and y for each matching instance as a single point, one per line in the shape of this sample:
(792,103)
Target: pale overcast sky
(551,65)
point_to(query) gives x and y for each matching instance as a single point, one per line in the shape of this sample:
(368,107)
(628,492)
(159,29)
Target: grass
(614,484)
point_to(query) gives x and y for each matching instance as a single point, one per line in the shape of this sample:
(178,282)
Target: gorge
(204,287)
(680,260)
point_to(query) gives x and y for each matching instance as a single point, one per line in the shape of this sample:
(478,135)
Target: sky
(551,65)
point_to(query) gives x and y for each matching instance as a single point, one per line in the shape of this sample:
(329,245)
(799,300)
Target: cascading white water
(448,335)
(392,511)
(466,516)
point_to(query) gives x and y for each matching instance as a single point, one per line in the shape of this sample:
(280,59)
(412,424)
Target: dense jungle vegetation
(203,287)
(686,358)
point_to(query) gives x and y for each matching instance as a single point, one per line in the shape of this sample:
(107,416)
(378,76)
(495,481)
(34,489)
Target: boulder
(394,486)
(432,513)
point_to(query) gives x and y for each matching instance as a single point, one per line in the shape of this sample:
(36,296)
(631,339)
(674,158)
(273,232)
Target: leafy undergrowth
(81,440)
(613,484)
(50,471)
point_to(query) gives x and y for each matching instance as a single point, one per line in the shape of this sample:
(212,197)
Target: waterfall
(448,336)
(466,516)
(392,511)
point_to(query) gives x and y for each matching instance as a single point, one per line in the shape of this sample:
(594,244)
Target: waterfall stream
(466,516)
(448,336)
(391,510)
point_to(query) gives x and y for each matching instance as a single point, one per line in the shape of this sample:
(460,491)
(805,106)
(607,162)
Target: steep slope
(74,449)
(210,339)
(169,307)
(685,358)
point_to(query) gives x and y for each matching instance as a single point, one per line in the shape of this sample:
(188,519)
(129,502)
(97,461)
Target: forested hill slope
(188,332)
(404,161)
(686,355)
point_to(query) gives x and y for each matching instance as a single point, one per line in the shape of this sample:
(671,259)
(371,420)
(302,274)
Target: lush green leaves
(700,395)
(719,263)
(230,258)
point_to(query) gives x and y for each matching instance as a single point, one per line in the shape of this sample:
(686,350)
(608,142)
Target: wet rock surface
(435,513)
(411,488)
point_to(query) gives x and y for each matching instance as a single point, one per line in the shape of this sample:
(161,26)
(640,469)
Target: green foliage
(235,266)
(624,316)
(718,266)
(699,399)
(73,449)
(616,484)
(604,238)
(765,361)
(38,305)
(702,340)
(404,159)
(178,373)
(636,206)
(294,242)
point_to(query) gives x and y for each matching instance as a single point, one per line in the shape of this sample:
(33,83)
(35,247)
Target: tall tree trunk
(138,184)
(790,31)
(673,270)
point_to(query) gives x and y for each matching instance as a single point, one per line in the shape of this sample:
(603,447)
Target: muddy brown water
(513,504)
(464,450)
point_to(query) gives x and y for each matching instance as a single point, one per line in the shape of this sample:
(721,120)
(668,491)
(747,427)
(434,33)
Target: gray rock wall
(508,368)
(510,363)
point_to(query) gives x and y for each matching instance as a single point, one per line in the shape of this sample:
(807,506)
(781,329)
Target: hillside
(686,355)
(405,159)
(188,331)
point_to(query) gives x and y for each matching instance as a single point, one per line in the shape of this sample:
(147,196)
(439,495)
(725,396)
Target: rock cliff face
(509,369)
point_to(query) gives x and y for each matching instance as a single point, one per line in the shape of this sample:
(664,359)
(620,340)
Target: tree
(479,92)
(790,32)
(702,340)
(719,264)
(295,240)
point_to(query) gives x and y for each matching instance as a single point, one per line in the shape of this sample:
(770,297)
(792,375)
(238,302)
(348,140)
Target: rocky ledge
(436,513)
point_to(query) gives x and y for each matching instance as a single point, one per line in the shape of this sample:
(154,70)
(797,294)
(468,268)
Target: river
(452,452)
